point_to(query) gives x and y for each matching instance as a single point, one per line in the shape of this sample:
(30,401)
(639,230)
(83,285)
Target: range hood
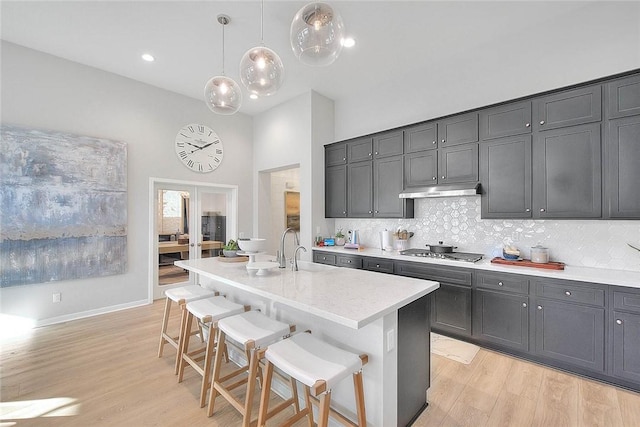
(471,189)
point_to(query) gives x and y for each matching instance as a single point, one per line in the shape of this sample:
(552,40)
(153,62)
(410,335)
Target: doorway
(187,221)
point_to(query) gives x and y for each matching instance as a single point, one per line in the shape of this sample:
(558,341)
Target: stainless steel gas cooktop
(454,256)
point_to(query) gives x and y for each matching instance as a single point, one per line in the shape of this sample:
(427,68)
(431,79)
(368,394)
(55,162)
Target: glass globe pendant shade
(223,95)
(316,34)
(261,71)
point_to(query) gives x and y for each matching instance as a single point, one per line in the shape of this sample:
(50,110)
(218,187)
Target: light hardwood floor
(104,371)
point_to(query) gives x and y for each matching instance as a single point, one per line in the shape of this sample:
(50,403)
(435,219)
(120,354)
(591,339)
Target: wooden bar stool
(319,366)
(181,296)
(208,312)
(252,331)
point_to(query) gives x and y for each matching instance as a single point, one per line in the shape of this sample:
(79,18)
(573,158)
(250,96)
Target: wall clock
(199,148)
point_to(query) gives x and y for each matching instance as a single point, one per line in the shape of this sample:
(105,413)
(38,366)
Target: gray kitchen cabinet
(569,108)
(380,265)
(460,129)
(387,185)
(324,258)
(349,261)
(360,190)
(570,323)
(624,97)
(505,120)
(567,173)
(421,137)
(421,169)
(625,326)
(360,149)
(388,144)
(622,150)
(335,154)
(451,303)
(458,163)
(335,191)
(505,174)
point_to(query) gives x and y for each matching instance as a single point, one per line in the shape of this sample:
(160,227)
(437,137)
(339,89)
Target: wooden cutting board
(238,258)
(551,265)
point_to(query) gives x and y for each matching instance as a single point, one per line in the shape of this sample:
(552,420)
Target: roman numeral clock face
(199,148)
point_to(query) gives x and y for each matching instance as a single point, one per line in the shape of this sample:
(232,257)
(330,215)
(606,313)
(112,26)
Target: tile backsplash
(456,221)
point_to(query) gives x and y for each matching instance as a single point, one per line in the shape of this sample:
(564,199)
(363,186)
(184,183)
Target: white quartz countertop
(353,298)
(583,274)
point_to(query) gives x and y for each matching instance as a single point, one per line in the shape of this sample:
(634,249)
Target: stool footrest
(337,415)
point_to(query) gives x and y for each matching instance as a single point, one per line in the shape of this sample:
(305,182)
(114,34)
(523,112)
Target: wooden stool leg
(165,322)
(183,333)
(307,401)
(294,394)
(185,345)
(264,396)
(251,387)
(323,416)
(359,389)
(215,376)
(208,356)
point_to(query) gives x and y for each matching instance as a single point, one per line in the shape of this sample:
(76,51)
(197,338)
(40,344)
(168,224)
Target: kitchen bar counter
(384,316)
(582,274)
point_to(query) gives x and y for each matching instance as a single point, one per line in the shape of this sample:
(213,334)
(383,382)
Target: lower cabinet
(451,309)
(501,318)
(625,333)
(571,333)
(324,258)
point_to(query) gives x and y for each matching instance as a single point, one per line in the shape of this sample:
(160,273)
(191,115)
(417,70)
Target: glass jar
(539,254)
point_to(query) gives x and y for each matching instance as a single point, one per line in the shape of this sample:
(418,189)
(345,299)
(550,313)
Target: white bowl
(254,244)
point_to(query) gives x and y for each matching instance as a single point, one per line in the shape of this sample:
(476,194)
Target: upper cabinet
(569,108)
(335,154)
(624,97)
(388,144)
(459,129)
(623,169)
(505,120)
(360,149)
(421,138)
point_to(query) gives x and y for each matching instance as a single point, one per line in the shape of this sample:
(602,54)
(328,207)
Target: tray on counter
(238,258)
(551,265)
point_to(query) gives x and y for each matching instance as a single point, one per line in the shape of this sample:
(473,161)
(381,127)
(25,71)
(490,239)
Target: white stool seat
(215,307)
(253,326)
(309,360)
(188,293)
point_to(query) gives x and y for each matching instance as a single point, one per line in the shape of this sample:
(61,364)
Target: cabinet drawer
(571,292)
(377,264)
(324,258)
(349,261)
(456,276)
(624,97)
(503,282)
(626,300)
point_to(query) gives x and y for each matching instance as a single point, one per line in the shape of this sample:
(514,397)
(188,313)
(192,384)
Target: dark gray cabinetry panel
(459,129)
(569,108)
(458,164)
(624,97)
(360,149)
(506,120)
(360,190)
(567,173)
(335,154)
(622,150)
(501,318)
(388,144)
(387,185)
(421,169)
(348,261)
(378,264)
(324,258)
(570,322)
(625,327)
(505,174)
(420,138)
(335,204)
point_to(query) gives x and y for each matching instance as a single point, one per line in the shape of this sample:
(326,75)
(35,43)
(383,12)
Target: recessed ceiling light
(148,57)
(348,42)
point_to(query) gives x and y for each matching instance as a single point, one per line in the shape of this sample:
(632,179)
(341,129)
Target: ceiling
(393,38)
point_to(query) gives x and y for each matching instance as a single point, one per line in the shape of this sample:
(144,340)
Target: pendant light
(261,70)
(317,33)
(221,93)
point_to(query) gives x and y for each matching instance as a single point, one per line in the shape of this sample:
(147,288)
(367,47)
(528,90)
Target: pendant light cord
(223,25)
(262,22)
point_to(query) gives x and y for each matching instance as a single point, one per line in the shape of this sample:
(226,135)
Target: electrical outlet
(57,297)
(391,340)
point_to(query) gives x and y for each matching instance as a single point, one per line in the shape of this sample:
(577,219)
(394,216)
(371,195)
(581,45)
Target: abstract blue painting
(63,206)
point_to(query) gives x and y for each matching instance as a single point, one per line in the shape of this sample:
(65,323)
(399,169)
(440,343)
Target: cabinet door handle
(443,141)
(377,265)
(191,244)
(344,159)
(444,177)
(369,211)
(542,210)
(376,153)
(527,210)
(349,261)
(434,143)
(541,122)
(377,211)
(369,154)
(619,322)
(500,283)
(539,307)
(524,304)
(527,125)
(324,258)
(567,293)
(433,178)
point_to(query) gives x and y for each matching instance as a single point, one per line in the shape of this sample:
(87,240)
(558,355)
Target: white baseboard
(90,313)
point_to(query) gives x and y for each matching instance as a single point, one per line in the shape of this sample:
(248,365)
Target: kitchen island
(384,316)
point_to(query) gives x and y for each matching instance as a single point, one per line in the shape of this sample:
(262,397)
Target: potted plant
(340,238)
(230,249)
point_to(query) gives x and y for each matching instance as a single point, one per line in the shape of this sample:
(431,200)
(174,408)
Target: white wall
(46,92)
